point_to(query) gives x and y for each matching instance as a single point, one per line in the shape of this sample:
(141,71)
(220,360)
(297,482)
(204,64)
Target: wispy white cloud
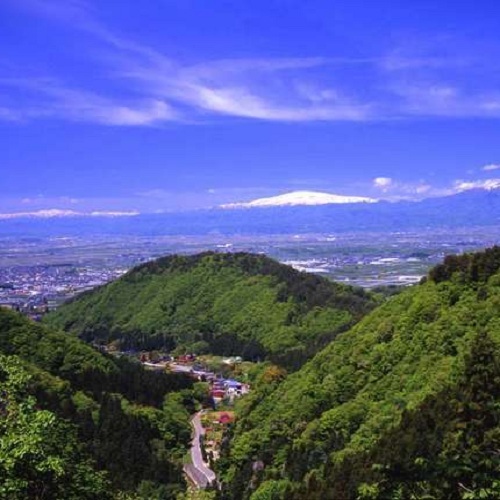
(442,75)
(249,88)
(383,183)
(405,83)
(394,189)
(83,16)
(68,11)
(454,187)
(439,100)
(488,184)
(427,54)
(491,166)
(241,101)
(50,98)
(83,106)
(398,62)
(36,200)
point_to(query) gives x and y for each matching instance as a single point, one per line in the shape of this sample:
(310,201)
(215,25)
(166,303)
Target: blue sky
(179,104)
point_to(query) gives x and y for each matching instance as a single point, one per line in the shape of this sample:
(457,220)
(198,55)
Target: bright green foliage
(272,490)
(40,456)
(447,446)
(80,403)
(52,351)
(468,268)
(404,405)
(233,303)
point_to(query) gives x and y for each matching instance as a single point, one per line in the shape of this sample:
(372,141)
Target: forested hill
(224,303)
(404,405)
(76,424)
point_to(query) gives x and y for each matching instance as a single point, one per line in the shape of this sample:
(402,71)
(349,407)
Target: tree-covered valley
(356,396)
(222,303)
(77,424)
(404,405)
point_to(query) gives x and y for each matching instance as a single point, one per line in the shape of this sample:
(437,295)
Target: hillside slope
(404,405)
(75,423)
(226,304)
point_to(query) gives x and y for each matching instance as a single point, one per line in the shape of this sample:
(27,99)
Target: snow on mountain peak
(301,198)
(55,212)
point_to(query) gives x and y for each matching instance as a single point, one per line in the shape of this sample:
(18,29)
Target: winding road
(198,471)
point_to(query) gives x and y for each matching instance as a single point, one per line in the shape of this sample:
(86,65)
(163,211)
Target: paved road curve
(198,471)
(195,476)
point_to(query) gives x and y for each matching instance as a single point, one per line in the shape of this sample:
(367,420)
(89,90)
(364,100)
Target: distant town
(35,290)
(38,274)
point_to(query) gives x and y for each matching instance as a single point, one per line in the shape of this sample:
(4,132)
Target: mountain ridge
(402,405)
(226,303)
(473,207)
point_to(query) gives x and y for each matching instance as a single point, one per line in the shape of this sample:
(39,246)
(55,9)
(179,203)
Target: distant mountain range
(56,212)
(473,207)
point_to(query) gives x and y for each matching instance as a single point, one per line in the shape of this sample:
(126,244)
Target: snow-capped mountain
(473,207)
(301,198)
(57,213)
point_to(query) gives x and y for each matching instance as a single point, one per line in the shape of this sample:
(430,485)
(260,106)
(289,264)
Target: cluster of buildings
(34,290)
(221,388)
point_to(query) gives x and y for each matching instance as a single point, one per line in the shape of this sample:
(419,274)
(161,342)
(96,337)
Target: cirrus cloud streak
(146,86)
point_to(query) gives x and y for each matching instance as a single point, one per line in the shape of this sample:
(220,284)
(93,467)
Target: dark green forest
(404,405)
(79,424)
(222,303)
